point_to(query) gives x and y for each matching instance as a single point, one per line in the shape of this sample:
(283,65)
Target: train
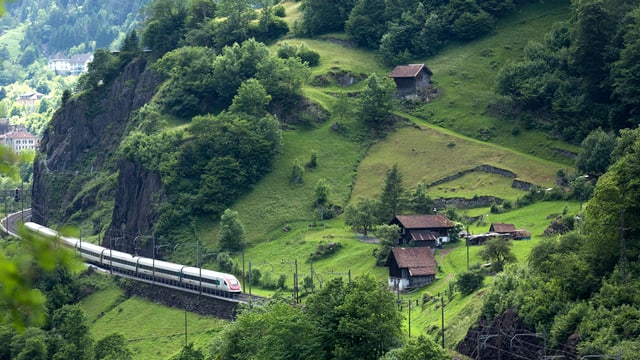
(160,271)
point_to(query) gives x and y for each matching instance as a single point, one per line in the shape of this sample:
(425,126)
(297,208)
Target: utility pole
(249,275)
(467,241)
(442,308)
(295,283)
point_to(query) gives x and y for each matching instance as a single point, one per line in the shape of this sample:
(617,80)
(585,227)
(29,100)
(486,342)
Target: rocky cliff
(78,178)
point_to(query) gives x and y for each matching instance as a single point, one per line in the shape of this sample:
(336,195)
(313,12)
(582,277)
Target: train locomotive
(160,271)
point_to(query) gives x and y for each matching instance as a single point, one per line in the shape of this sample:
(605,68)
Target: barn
(411,267)
(411,79)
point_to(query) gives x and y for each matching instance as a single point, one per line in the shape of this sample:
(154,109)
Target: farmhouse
(411,267)
(423,230)
(500,228)
(410,79)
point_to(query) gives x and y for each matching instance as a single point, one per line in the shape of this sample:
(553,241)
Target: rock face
(77,173)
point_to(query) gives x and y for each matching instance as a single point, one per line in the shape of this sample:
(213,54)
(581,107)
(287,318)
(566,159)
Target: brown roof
(419,260)
(409,71)
(503,228)
(424,221)
(422,235)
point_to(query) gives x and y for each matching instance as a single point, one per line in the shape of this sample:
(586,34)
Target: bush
(469,282)
(312,58)
(324,250)
(279,11)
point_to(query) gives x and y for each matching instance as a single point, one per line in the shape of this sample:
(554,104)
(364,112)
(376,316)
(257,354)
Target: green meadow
(454,133)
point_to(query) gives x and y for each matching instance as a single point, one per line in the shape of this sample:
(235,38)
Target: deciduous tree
(376,101)
(232,235)
(498,252)
(363,214)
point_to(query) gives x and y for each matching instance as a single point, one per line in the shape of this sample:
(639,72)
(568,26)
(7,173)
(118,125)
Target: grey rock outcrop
(76,167)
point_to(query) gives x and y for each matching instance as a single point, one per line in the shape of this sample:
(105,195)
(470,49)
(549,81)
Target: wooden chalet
(501,228)
(411,267)
(410,79)
(423,230)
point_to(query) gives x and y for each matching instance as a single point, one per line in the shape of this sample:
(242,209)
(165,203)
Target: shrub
(287,50)
(312,58)
(279,11)
(297,171)
(324,250)
(469,282)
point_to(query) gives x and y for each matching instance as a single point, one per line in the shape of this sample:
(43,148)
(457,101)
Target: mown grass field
(440,140)
(152,331)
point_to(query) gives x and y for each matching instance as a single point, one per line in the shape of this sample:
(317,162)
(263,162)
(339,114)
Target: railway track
(9,226)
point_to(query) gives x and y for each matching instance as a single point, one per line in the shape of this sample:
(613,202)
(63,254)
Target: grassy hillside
(152,331)
(442,138)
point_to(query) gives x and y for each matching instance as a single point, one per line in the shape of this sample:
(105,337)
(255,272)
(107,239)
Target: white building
(19,140)
(75,65)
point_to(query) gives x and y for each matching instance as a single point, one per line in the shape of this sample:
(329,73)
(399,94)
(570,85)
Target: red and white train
(157,270)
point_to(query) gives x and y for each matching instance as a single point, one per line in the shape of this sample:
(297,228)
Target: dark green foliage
(102,70)
(323,16)
(225,262)
(497,252)
(321,192)
(625,71)
(584,282)
(189,353)
(467,20)
(269,27)
(376,101)
(78,27)
(252,99)
(344,329)
(313,161)
(165,25)
(279,11)
(305,54)
(283,79)
(392,196)
(362,215)
(130,47)
(236,64)
(297,172)
(324,250)
(66,94)
(232,237)
(29,345)
(71,328)
(388,235)
(419,348)
(596,156)
(582,74)
(113,346)
(200,12)
(189,87)
(419,201)
(276,330)
(416,34)
(367,22)
(469,282)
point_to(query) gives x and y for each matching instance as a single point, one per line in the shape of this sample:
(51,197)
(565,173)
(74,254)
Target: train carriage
(156,270)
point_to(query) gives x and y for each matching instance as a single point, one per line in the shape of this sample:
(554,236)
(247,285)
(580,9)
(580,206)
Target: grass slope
(441,142)
(152,331)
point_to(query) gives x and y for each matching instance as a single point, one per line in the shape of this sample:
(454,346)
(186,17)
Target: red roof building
(411,79)
(411,267)
(423,230)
